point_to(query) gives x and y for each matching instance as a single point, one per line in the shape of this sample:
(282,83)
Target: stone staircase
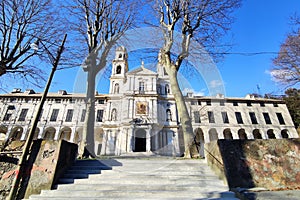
(139,178)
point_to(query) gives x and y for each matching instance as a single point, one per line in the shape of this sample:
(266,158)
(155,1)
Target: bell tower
(119,70)
(120,64)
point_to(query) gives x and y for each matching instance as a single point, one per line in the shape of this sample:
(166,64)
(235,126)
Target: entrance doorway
(140,141)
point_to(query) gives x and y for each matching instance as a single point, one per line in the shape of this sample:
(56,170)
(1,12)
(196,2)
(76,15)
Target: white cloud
(215,83)
(281,75)
(195,93)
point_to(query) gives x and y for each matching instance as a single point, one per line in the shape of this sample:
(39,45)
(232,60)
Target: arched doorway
(213,134)
(140,141)
(16,133)
(284,133)
(242,134)
(49,133)
(227,134)
(256,134)
(98,137)
(199,139)
(65,134)
(271,134)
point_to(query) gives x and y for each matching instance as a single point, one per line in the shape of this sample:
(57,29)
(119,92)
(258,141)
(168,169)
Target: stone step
(88,162)
(122,187)
(199,182)
(38,197)
(76,175)
(120,172)
(86,171)
(133,194)
(65,181)
(95,167)
(151,177)
(139,179)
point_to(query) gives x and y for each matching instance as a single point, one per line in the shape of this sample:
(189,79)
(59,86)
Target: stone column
(148,140)
(73,131)
(234,133)
(131,140)
(104,143)
(277,133)
(249,133)
(117,138)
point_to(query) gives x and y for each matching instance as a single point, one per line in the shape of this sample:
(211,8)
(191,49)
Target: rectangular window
(197,117)
(54,115)
(57,100)
(69,115)
(211,118)
(235,104)
(253,118)
(249,103)
(141,88)
(239,118)
(262,104)
(225,118)
(275,104)
(23,115)
(7,117)
(72,100)
(101,101)
(267,118)
(83,115)
(208,103)
(222,103)
(199,102)
(99,116)
(280,118)
(13,99)
(9,113)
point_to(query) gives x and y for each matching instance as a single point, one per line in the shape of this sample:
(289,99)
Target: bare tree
(286,68)
(23,22)
(205,21)
(101,23)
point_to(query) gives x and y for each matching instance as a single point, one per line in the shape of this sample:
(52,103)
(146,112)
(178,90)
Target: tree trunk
(87,142)
(186,123)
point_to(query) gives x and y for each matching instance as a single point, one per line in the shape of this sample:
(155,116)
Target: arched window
(158,89)
(116,88)
(114,115)
(169,115)
(167,89)
(120,55)
(119,68)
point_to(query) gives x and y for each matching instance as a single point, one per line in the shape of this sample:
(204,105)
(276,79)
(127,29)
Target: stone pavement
(260,194)
(139,178)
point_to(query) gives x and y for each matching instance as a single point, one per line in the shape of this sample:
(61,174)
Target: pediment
(141,71)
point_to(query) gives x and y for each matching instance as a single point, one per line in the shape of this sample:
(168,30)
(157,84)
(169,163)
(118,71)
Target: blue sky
(260,26)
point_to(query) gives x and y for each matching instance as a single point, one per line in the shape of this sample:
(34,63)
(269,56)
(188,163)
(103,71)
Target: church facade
(139,114)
